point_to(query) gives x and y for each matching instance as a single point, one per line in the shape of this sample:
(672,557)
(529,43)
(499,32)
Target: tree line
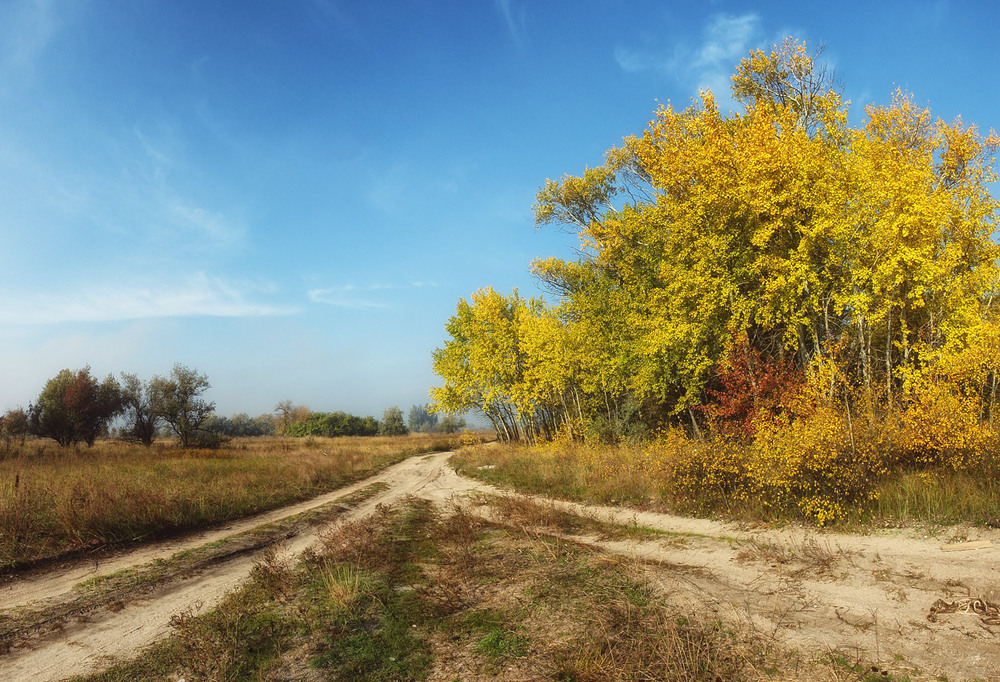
(75,407)
(725,257)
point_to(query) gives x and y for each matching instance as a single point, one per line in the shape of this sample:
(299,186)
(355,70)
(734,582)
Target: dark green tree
(420,420)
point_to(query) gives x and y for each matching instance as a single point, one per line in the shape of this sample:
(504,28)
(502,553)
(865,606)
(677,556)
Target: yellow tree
(782,223)
(923,256)
(486,364)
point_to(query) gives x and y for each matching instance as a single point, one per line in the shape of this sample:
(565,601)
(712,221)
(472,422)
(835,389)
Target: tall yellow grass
(54,500)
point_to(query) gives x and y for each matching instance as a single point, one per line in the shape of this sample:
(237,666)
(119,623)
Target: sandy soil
(813,592)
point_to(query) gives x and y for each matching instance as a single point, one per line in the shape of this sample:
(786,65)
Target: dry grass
(725,479)
(807,558)
(416,592)
(129,584)
(57,500)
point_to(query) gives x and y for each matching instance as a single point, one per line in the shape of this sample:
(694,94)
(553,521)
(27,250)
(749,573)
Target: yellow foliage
(938,426)
(814,466)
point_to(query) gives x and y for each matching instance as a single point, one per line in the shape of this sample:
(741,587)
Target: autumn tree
(177,400)
(74,407)
(512,360)
(781,223)
(482,363)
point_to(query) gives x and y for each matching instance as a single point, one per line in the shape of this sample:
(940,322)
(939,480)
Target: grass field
(639,476)
(56,500)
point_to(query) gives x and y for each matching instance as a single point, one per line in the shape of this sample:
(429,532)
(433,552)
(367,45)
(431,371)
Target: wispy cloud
(204,223)
(198,296)
(166,207)
(706,65)
(727,39)
(360,296)
(348,296)
(514,19)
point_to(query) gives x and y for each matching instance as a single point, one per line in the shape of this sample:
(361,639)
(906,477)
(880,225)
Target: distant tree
(451,423)
(392,423)
(420,420)
(287,413)
(13,428)
(369,426)
(333,424)
(241,425)
(141,420)
(262,425)
(74,407)
(177,400)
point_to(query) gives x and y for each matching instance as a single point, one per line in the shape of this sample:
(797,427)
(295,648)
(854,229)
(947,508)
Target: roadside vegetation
(55,500)
(415,590)
(775,314)
(728,480)
(116,589)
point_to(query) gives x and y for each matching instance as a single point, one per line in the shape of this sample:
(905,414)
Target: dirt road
(899,598)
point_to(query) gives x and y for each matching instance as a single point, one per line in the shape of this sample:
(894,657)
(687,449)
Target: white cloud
(198,296)
(707,65)
(727,39)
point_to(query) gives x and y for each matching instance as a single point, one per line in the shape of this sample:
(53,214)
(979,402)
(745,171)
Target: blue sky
(292,196)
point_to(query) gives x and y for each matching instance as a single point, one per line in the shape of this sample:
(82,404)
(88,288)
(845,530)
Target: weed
(807,557)
(500,644)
